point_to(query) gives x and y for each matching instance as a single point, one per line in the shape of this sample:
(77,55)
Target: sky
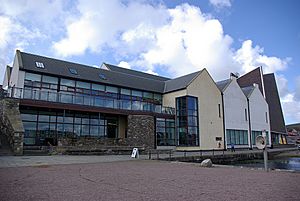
(168,38)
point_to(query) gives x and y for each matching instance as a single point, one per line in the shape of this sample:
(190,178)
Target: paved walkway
(145,180)
(20,161)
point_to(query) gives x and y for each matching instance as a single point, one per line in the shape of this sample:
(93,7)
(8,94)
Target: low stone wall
(11,124)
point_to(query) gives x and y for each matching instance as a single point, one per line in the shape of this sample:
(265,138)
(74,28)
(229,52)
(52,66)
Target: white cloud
(102,24)
(291,108)
(249,57)
(220,3)
(297,90)
(124,64)
(13,36)
(282,85)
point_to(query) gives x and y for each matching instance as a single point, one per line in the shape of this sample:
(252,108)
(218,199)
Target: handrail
(90,100)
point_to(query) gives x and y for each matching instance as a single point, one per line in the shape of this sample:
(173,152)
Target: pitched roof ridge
(126,69)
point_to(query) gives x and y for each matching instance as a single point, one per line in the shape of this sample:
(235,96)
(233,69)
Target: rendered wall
(210,123)
(258,109)
(235,103)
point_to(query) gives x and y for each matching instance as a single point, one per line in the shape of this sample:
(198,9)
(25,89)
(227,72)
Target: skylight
(39,64)
(73,71)
(102,76)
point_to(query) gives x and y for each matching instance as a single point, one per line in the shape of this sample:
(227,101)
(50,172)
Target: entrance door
(112,128)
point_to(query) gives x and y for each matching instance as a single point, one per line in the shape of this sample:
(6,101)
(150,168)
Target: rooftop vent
(102,76)
(73,71)
(39,64)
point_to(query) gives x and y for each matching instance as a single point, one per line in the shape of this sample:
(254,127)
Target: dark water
(292,163)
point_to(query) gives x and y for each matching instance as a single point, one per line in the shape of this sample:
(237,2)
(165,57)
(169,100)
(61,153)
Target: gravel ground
(145,180)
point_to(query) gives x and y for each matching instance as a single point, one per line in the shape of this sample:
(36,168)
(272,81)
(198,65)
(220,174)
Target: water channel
(286,163)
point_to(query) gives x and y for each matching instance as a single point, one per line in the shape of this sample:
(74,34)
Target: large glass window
(236,137)
(165,132)
(43,126)
(187,121)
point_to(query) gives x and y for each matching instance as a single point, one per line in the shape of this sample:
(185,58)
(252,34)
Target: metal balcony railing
(89,100)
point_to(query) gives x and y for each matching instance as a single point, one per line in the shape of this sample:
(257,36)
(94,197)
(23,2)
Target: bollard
(149,152)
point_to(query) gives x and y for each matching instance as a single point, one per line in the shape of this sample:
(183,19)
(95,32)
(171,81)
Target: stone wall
(11,124)
(141,131)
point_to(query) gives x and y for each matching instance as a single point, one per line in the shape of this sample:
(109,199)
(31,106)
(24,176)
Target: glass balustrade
(89,100)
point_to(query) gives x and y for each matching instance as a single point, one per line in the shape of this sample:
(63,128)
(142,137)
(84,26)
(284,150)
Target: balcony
(89,100)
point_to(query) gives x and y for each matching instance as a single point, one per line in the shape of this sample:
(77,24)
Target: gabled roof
(223,84)
(248,90)
(88,73)
(254,76)
(134,72)
(180,82)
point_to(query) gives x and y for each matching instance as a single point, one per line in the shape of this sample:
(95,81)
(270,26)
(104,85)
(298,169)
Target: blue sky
(169,38)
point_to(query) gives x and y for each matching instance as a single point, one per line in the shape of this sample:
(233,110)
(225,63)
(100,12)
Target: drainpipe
(250,132)
(225,147)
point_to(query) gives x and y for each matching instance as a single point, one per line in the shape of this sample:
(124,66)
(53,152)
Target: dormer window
(73,71)
(39,64)
(102,76)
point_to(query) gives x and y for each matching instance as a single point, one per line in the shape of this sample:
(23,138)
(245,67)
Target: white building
(258,113)
(236,119)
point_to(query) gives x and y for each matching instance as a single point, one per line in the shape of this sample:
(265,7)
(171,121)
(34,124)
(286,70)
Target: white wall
(258,111)
(235,103)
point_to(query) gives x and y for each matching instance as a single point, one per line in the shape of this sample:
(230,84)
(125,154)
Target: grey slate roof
(135,73)
(248,90)
(180,82)
(88,73)
(223,84)
(272,96)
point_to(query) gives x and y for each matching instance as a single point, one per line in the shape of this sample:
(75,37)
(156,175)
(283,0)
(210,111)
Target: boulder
(206,163)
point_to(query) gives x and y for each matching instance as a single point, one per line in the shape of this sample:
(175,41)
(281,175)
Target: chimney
(234,76)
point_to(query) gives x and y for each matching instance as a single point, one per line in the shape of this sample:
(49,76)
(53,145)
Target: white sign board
(135,153)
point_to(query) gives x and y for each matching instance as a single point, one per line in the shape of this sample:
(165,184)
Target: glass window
(49,79)
(148,95)
(111,89)
(188,125)
(73,71)
(98,87)
(83,85)
(33,77)
(158,97)
(192,104)
(28,117)
(66,82)
(94,130)
(137,93)
(126,92)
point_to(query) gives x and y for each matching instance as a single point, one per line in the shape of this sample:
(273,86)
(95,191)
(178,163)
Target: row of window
(73,86)
(257,133)
(240,137)
(236,137)
(42,125)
